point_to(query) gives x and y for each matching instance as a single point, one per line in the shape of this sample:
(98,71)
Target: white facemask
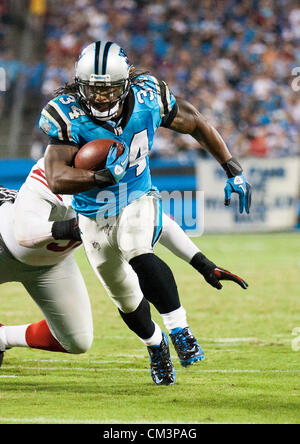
(106,115)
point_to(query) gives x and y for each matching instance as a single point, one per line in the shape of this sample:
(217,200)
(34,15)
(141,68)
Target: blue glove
(117,166)
(239,184)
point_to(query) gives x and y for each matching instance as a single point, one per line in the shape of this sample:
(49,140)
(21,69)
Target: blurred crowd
(8,63)
(14,17)
(233,59)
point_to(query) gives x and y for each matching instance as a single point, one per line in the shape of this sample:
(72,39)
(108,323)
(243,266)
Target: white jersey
(25,226)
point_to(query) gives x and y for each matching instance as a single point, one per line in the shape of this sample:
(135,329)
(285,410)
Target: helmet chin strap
(106,115)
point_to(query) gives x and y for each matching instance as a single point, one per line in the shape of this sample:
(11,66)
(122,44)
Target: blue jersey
(149,105)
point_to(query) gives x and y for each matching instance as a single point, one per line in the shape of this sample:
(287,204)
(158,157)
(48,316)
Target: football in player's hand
(92,156)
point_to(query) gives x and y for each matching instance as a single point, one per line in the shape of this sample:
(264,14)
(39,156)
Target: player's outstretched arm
(214,274)
(190,121)
(177,241)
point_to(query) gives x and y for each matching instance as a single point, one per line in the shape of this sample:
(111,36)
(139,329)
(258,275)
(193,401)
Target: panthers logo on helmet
(122,53)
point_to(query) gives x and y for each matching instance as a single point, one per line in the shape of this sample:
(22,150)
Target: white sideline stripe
(108,422)
(115,361)
(220,341)
(53,420)
(222,351)
(76,361)
(230,339)
(247,371)
(95,361)
(90,369)
(80,369)
(202,338)
(8,376)
(116,337)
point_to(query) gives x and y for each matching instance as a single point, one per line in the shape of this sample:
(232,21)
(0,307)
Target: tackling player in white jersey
(33,251)
(38,233)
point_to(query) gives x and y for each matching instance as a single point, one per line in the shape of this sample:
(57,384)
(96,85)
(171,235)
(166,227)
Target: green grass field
(250,375)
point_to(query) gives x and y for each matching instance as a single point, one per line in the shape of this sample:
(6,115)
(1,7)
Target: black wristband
(202,264)
(66,229)
(104,178)
(232,167)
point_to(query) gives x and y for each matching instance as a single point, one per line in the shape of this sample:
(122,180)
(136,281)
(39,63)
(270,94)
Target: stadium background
(232,59)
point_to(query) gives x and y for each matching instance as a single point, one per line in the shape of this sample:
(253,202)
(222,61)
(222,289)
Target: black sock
(157,282)
(139,321)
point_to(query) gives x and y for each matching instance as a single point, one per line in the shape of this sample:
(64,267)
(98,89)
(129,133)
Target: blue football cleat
(186,346)
(162,369)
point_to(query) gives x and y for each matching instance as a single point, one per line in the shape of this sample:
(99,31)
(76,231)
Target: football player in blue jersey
(119,212)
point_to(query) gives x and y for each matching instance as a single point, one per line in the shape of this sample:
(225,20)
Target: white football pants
(60,293)
(111,243)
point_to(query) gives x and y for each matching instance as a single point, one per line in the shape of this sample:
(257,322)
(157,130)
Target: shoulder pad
(56,118)
(159,89)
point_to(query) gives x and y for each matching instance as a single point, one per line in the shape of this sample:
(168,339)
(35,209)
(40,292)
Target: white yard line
(88,369)
(228,340)
(108,422)
(8,376)
(51,420)
(77,361)
(113,361)
(79,369)
(246,371)
(231,350)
